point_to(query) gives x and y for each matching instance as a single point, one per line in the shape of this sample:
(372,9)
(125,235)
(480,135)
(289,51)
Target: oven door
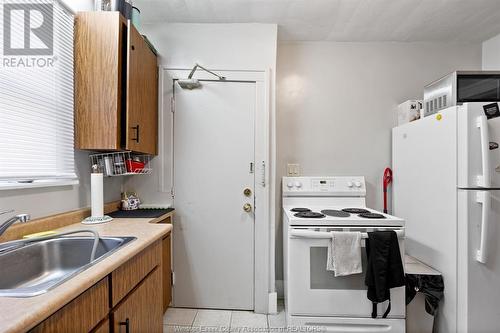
(314,291)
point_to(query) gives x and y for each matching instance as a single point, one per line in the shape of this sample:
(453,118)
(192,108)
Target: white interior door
(214,129)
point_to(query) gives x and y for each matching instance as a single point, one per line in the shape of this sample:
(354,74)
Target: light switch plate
(293,170)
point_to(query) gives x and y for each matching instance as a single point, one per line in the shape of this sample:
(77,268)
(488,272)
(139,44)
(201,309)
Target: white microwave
(461,87)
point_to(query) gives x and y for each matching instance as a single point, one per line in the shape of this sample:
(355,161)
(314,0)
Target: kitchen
(317,91)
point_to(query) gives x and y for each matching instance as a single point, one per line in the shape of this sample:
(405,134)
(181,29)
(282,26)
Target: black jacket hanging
(385,268)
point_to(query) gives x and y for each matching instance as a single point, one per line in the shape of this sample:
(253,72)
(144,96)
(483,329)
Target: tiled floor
(218,321)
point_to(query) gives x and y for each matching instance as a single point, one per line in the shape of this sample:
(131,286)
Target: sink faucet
(23,218)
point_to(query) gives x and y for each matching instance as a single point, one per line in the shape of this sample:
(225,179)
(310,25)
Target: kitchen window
(36,96)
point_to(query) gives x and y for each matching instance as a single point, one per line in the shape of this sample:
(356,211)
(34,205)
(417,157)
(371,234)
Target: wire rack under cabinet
(120,164)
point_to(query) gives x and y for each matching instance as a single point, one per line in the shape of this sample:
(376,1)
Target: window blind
(36,92)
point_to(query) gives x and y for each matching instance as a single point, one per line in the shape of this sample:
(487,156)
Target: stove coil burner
(309,215)
(372,216)
(356,210)
(300,210)
(335,213)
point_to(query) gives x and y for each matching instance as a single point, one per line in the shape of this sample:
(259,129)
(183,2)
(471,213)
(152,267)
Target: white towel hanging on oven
(344,253)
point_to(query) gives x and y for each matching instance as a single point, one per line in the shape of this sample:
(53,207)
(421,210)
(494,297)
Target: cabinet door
(142,95)
(99,60)
(167,272)
(141,311)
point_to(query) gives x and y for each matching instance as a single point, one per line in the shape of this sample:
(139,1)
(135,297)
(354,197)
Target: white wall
(41,202)
(215,46)
(491,53)
(335,104)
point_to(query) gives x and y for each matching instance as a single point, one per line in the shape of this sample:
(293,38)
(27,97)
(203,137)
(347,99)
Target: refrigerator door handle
(484,180)
(483,198)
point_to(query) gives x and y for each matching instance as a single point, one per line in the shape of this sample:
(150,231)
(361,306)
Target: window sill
(37,184)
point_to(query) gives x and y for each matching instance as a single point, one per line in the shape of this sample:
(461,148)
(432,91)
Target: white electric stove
(312,207)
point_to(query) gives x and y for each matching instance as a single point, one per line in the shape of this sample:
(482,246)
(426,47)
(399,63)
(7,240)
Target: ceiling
(342,20)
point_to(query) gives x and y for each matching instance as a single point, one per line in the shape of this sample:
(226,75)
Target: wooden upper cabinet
(142,95)
(116,85)
(98,80)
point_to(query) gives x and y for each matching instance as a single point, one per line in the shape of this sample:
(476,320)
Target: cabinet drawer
(141,310)
(127,276)
(81,314)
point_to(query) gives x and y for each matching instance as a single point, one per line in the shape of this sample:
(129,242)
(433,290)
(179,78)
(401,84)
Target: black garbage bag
(432,286)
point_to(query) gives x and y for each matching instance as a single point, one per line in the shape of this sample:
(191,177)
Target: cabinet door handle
(136,128)
(126,323)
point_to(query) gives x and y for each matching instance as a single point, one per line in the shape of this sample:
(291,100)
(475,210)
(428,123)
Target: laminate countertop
(22,314)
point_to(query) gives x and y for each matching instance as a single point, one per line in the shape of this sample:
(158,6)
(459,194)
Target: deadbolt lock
(247,192)
(247,207)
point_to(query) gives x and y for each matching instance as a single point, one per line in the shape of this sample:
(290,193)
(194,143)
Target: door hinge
(172,192)
(172,104)
(263,174)
(172,278)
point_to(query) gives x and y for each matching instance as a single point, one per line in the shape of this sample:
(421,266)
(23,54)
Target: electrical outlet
(293,170)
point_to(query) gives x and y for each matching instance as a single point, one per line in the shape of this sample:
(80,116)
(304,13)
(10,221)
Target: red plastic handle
(386,181)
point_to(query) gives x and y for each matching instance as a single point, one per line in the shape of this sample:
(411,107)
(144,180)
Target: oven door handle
(299,233)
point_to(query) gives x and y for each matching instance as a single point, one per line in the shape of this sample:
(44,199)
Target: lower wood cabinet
(167,272)
(128,300)
(141,310)
(103,327)
(128,275)
(81,314)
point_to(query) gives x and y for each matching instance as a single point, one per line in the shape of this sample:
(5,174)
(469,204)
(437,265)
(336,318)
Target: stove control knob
(350,184)
(289,185)
(298,184)
(358,184)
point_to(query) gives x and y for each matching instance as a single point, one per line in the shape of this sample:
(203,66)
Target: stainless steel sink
(34,268)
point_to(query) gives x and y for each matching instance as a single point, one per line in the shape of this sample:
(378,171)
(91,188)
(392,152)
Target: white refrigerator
(447,188)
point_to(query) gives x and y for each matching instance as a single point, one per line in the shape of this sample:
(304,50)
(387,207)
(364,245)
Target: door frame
(264,176)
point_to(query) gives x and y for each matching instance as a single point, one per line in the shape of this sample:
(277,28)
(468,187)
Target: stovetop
(332,215)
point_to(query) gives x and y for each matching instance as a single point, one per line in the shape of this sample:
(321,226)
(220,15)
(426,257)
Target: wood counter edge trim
(160,219)
(51,222)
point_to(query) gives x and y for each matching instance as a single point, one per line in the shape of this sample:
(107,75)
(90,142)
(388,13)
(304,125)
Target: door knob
(247,207)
